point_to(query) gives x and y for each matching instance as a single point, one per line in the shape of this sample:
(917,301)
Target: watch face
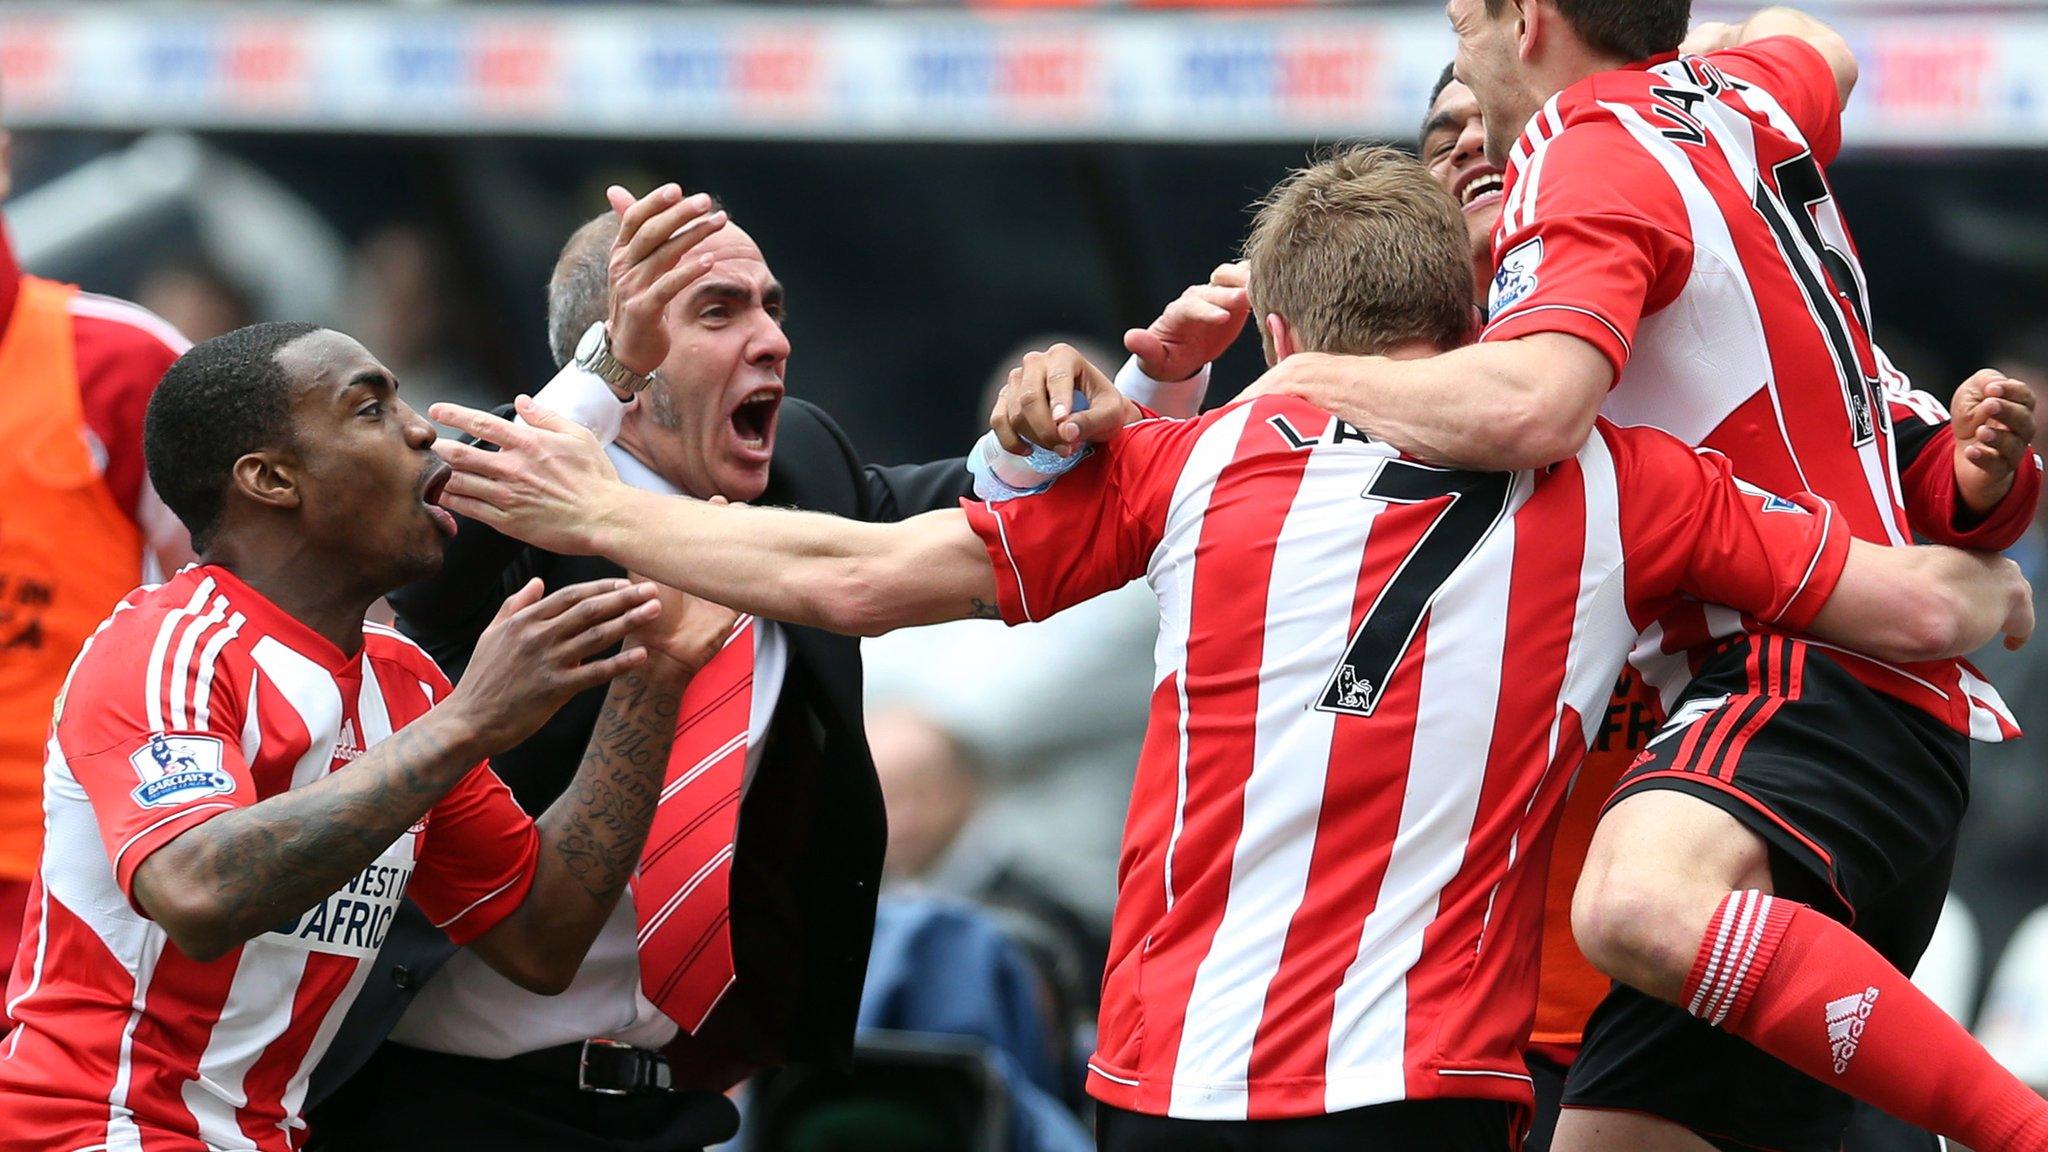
(591,344)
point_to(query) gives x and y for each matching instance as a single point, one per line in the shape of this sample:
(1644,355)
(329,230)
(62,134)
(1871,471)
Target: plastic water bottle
(1000,475)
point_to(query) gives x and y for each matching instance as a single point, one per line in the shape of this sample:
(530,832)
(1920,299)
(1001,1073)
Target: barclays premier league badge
(177,769)
(1516,277)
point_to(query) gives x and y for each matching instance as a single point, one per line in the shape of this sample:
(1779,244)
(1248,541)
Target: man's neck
(630,444)
(1571,67)
(301,585)
(1413,350)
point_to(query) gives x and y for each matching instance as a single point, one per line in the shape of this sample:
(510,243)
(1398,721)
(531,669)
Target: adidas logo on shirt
(1847,1017)
(349,746)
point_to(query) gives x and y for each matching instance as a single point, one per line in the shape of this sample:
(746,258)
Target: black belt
(605,1067)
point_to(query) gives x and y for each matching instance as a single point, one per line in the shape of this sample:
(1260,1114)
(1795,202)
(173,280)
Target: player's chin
(1479,227)
(424,560)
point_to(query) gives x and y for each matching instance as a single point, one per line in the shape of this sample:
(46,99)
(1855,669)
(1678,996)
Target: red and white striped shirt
(1374,680)
(1676,216)
(195,698)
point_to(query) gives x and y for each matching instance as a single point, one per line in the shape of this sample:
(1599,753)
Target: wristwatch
(594,355)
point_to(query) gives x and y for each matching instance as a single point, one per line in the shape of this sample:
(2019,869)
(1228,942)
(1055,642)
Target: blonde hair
(1362,252)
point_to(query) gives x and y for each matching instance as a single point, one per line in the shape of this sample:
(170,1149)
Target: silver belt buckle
(583,1083)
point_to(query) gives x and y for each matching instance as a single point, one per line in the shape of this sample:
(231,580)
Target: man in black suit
(668,296)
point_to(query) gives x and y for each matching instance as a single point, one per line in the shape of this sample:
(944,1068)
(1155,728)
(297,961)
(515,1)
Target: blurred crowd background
(940,186)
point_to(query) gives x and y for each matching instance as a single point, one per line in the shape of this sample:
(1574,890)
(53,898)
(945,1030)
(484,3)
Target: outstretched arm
(801,567)
(1929,603)
(550,485)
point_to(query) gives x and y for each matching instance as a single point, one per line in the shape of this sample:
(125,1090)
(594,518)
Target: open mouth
(753,420)
(430,496)
(1482,186)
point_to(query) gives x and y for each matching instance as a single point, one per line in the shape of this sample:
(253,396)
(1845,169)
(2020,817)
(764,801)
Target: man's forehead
(327,358)
(733,250)
(1455,103)
(1454,110)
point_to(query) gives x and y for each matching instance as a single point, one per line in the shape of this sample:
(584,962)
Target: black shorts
(1859,797)
(1548,1075)
(1405,1126)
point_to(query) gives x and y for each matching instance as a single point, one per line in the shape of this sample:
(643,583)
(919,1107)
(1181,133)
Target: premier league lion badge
(1516,277)
(176,769)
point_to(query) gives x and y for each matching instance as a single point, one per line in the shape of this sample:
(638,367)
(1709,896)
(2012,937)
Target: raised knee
(1636,930)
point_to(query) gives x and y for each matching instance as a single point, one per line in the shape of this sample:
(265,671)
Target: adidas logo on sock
(1847,1017)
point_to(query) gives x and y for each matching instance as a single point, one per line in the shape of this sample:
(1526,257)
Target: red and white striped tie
(682,891)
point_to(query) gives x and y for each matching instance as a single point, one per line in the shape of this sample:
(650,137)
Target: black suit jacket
(804,898)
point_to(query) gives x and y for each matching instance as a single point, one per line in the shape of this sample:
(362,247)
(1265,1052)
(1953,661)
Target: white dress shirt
(467,1009)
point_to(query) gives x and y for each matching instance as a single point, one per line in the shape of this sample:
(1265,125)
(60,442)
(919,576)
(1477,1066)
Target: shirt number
(1473,503)
(1827,277)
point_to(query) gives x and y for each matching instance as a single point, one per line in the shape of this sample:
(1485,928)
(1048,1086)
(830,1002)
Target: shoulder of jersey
(1594,101)
(130,322)
(163,613)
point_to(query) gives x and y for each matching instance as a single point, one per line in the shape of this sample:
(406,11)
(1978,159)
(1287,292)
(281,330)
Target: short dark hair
(579,290)
(1429,110)
(1443,82)
(1630,29)
(224,398)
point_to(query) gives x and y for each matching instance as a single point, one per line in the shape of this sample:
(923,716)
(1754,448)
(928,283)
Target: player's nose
(1471,141)
(420,434)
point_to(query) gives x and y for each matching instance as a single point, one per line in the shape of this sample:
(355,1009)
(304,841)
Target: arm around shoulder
(1504,405)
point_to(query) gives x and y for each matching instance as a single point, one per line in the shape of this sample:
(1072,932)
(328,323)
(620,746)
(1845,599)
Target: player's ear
(268,478)
(1280,339)
(1532,21)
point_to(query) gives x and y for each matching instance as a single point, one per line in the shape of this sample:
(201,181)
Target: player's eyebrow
(370,378)
(730,291)
(1438,123)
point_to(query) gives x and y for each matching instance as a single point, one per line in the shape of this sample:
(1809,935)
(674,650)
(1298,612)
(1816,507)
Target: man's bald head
(579,291)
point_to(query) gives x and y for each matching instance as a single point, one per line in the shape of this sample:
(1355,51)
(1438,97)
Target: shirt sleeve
(1691,527)
(152,769)
(1593,238)
(476,857)
(1181,399)
(1798,77)
(1091,532)
(121,351)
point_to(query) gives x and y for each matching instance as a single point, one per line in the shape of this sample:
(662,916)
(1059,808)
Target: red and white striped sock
(1810,992)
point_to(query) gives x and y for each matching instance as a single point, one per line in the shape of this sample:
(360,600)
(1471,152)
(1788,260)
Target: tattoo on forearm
(270,862)
(598,827)
(983,610)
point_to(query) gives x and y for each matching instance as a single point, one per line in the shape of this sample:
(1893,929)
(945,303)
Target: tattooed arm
(592,835)
(246,871)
